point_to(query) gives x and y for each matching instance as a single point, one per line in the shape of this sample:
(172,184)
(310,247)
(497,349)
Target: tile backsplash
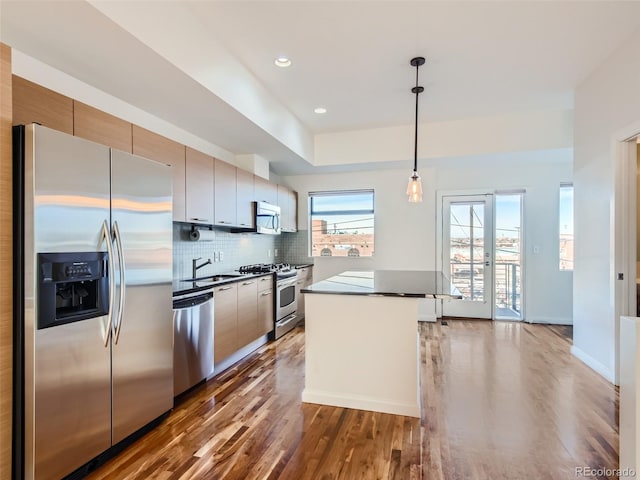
(294,247)
(238,249)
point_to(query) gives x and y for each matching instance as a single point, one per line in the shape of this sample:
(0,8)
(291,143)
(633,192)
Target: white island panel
(362,352)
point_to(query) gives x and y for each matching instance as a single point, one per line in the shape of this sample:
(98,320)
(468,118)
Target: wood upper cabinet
(156,147)
(283,203)
(225,194)
(98,126)
(288,202)
(244,196)
(248,329)
(33,103)
(199,187)
(265,191)
(225,323)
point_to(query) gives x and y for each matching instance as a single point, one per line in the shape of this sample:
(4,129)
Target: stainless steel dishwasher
(192,340)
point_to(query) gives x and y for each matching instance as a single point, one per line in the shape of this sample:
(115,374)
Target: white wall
(538,130)
(406,233)
(547,290)
(605,103)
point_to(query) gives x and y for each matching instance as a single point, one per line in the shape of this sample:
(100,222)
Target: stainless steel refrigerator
(93,280)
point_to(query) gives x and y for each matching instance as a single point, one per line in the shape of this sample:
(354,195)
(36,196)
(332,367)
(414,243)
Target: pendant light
(414,189)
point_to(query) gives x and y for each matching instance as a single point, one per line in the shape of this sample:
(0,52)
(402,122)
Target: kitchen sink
(213,278)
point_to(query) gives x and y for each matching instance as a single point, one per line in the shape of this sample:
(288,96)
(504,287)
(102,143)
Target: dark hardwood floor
(500,400)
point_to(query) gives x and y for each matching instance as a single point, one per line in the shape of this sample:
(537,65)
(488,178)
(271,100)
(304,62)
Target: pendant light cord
(416,62)
(415,141)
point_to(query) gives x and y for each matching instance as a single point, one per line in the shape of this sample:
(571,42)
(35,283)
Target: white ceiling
(483,59)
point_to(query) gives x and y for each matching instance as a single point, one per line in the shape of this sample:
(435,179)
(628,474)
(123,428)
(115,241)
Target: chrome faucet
(195,267)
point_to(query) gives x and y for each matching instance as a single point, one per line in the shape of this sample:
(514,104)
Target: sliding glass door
(482,254)
(508,256)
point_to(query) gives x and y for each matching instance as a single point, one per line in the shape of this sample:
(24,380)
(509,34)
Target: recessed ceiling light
(282,62)
(320,110)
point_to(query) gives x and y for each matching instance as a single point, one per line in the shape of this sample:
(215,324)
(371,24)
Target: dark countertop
(302,265)
(389,283)
(183,287)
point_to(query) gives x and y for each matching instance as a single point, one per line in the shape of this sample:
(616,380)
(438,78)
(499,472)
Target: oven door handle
(288,283)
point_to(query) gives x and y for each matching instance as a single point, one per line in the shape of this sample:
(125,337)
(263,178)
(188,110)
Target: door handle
(106,236)
(123,289)
(487,263)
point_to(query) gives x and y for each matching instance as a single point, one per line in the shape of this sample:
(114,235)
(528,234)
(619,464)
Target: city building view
(342,238)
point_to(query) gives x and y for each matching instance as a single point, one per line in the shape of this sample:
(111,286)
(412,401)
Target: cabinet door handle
(264,294)
(221,221)
(265,279)
(200,219)
(247,283)
(223,288)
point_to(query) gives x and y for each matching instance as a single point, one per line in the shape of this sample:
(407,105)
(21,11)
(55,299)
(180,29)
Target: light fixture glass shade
(414,188)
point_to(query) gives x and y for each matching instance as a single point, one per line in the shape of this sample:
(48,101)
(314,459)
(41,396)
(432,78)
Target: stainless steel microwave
(267,218)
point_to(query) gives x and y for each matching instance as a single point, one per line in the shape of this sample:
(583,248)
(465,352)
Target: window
(565,215)
(341,223)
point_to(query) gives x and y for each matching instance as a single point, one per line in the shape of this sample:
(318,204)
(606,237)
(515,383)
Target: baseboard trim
(427,317)
(361,403)
(550,320)
(592,363)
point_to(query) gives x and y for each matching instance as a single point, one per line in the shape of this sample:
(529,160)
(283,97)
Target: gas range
(282,270)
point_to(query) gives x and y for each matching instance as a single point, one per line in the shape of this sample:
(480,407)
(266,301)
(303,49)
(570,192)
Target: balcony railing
(468,278)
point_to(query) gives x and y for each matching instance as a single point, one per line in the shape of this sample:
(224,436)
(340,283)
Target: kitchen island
(361,338)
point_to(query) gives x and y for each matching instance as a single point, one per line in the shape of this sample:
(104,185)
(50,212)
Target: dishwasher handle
(192,301)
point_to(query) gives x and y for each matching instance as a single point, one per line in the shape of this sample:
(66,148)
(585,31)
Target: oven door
(286,298)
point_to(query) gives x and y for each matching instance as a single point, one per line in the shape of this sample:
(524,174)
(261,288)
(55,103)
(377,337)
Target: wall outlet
(221,255)
(536,249)
(275,252)
(269,253)
(216,257)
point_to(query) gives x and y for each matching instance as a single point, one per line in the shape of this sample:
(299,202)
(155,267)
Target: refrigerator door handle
(123,289)
(106,236)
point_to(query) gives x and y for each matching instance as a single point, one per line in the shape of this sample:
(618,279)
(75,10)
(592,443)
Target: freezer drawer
(192,340)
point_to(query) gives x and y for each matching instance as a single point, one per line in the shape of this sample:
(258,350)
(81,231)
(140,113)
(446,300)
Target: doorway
(482,254)
(467,253)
